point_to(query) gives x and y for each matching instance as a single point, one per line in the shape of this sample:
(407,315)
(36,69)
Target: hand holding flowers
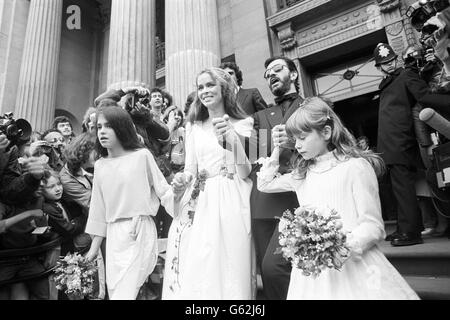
(75,276)
(313,240)
(180,183)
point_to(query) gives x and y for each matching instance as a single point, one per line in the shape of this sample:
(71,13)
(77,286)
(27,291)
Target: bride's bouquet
(75,276)
(312,240)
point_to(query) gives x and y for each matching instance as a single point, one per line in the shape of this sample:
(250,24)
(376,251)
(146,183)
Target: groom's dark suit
(266,206)
(250,100)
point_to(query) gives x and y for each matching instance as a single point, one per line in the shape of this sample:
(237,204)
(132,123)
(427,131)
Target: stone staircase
(426,267)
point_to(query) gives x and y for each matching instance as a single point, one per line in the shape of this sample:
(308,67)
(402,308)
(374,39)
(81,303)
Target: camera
(417,57)
(420,11)
(17,131)
(136,98)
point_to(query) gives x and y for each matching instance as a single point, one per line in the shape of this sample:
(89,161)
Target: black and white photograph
(224,154)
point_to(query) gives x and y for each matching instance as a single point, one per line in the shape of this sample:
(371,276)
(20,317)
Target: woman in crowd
(89,120)
(75,178)
(176,155)
(212,259)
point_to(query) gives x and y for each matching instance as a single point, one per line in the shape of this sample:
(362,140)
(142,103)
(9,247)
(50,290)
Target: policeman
(400,90)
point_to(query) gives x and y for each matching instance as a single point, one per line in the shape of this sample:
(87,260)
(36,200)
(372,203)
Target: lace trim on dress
(269,169)
(326,162)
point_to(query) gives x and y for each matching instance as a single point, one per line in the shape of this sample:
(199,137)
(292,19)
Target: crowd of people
(144,169)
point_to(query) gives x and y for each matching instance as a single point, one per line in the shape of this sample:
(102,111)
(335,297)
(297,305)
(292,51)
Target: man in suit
(250,100)
(401,89)
(282,78)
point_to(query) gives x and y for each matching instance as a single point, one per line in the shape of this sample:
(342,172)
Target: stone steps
(430,288)
(426,266)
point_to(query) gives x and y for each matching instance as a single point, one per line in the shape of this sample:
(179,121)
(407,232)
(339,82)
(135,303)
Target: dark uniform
(397,142)
(275,270)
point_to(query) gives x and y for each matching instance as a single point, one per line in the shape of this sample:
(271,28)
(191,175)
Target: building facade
(56,56)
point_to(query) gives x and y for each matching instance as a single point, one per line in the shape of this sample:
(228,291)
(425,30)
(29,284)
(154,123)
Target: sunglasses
(276,68)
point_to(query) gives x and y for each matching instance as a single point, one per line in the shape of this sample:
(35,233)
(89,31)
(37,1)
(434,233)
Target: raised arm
(270,180)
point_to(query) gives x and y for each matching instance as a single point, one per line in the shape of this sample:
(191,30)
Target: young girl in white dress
(126,194)
(212,259)
(334,173)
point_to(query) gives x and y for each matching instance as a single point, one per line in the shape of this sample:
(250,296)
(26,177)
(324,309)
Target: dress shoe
(428,232)
(405,239)
(392,236)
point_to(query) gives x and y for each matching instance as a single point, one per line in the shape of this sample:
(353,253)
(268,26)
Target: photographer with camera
(431,71)
(401,89)
(431,18)
(18,199)
(17,182)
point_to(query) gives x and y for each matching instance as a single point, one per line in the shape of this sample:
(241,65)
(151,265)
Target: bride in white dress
(212,258)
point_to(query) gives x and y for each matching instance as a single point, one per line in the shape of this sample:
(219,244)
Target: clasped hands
(180,183)
(224,131)
(279,135)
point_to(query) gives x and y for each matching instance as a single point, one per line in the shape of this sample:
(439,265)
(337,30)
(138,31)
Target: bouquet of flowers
(313,240)
(199,185)
(75,276)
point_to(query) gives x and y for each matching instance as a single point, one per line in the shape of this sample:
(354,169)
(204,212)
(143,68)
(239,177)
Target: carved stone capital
(388,5)
(286,36)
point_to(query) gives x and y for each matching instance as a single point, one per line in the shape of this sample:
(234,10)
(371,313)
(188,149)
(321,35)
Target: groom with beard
(281,75)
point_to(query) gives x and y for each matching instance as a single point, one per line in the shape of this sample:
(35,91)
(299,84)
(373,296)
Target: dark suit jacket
(400,92)
(269,205)
(251,100)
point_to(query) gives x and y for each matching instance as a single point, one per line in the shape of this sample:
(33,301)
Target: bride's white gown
(212,259)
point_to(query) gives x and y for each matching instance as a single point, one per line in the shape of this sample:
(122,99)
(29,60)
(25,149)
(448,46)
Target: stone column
(131,59)
(13,25)
(192,44)
(38,75)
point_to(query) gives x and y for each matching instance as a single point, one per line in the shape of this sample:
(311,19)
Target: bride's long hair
(198,112)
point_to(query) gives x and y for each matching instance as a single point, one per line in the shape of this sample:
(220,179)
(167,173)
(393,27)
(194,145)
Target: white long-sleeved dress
(212,259)
(348,185)
(126,193)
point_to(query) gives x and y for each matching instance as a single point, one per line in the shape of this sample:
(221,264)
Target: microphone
(436,121)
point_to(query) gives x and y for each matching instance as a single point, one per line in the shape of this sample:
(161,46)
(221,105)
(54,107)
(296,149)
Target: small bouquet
(75,276)
(313,240)
(199,185)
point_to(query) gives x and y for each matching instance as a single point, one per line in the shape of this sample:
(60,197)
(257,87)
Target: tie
(285,101)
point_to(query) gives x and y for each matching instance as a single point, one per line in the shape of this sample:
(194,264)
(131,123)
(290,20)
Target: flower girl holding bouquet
(331,172)
(127,191)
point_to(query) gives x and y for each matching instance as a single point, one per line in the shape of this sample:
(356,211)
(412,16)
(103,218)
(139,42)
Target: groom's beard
(284,88)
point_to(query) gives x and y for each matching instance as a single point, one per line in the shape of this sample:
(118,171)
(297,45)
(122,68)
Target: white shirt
(125,187)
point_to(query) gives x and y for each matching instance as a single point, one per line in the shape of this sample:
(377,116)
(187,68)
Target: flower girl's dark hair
(314,114)
(122,124)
